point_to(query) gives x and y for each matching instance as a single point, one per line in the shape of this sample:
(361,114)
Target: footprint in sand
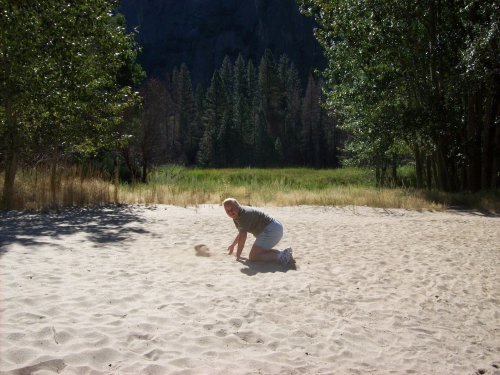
(202,251)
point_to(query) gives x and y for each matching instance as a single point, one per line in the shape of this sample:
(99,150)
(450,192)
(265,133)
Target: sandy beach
(150,290)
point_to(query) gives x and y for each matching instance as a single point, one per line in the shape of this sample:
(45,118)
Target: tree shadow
(482,203)
(103,225)
(474,212)
(254,268)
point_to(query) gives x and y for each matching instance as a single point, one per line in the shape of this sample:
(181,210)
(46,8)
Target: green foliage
(246,117)
(420,78)
(185,113)
(60,67)
(253,116)
(60,63)
(285,178)
(212,117)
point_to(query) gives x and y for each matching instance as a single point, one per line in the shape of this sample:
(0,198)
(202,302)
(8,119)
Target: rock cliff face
(201,32)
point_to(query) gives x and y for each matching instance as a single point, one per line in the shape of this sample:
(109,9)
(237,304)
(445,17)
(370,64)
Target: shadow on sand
(478,212)
(254,268)
(102,225)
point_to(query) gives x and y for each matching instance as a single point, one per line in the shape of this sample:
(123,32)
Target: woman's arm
(233,244)
(242,237)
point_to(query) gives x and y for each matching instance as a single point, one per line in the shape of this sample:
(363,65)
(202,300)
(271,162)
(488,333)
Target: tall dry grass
(336,196)
(35,188)
(79,186)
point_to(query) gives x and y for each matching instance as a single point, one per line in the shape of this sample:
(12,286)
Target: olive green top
(252,220)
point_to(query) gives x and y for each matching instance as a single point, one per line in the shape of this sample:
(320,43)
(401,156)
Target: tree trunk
(377,175)
(435,171)
(495,165)
(442,169)
(9,180)
(491,138)
(394,171)
(383,171)
(418,166)
(130,163)
(116,179)
(473,140)
(53,177)
(144,171)
(11,157)
(428,173)
(488,143)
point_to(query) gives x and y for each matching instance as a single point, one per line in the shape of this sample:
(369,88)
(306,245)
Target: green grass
(280,187)
(283,178)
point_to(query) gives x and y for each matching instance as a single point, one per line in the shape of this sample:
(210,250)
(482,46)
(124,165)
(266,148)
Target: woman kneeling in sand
(267,230)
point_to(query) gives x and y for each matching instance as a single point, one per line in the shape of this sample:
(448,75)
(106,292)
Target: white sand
(130,291)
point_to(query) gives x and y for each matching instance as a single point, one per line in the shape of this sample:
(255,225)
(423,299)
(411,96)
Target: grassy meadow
(176,185)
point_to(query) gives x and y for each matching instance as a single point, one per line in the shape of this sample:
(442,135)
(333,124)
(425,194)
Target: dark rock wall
(201,32)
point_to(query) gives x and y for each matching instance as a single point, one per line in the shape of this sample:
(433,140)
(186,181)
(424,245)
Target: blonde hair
(231,201)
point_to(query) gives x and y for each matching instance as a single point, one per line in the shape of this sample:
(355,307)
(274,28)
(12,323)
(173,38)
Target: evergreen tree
(252,84)
(188,129)
(199,97)
(292,122)
(174,117)
(253,104)
(312,134)
(212,119)
(278,152)
(227,77)
(229,125)
(240,93)
(270,94)
(171,132)
(264,146)
(229,139)
(152,124)
(242,111)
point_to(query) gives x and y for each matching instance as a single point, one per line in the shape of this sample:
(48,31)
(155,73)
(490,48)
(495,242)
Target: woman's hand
(230,249)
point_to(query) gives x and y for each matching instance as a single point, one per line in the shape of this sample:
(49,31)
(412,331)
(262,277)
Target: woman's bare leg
(260,254)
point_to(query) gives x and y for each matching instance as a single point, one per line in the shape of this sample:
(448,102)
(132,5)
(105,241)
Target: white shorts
(270,236)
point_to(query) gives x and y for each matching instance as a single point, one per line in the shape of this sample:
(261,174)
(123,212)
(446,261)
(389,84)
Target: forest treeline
(67,71)
(406,83)
(422,76)
(247,117)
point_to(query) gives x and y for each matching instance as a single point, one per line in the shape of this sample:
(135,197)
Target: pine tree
(278,152)
(199,97)
(171,123)
(212,119)
(174,127)
(240,93)
(242,111)
(264,147)
(253,103)
(152,123)
(292,121)
(188,129)
(227,76)
(228,139)
(311,124)
(269,92)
